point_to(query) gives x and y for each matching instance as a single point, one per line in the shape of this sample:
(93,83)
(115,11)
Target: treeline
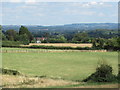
(112,44)
(101,39)
(23,36)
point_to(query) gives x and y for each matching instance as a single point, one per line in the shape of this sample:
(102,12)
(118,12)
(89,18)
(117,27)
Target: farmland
(61,44)
(62,65)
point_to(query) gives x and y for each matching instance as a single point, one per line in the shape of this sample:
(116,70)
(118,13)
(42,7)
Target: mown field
(65,65)
(61,44)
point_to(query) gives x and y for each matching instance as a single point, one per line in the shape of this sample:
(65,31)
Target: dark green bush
(118,76)
(50,47)
(62,48)
(103,74)
(10,43)
(9,72)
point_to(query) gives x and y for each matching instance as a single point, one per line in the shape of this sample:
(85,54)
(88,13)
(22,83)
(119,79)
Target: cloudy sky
(31,12)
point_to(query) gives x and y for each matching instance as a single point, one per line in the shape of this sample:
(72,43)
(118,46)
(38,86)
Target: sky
(32,12)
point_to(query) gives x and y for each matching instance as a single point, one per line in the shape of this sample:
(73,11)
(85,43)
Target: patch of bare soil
(10,81)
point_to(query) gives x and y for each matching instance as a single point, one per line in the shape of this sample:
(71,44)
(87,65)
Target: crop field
(62,44)
(62,65)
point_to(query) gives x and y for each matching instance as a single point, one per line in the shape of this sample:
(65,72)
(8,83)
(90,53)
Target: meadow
(61,65)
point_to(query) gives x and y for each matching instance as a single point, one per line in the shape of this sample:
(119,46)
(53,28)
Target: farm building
(39,39)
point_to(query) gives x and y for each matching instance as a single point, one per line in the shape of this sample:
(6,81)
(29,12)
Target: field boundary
(40,51)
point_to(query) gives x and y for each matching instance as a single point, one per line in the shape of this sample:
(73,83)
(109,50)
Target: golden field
(61,44)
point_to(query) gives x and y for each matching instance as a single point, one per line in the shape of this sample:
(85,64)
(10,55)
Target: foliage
(24,39)
(81,37)
(103,74)
(101,38)
(98,42)
(56,39)
(23,30)
(10,43)
(109,44)
(11,35)
(58,47)
(9,72)
(118,76)
(13,38)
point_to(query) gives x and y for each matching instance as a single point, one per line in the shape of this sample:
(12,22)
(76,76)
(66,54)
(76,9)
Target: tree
(47,35)
(24,39)
(11,34)
(23,30)
(62,39)
(82,37)
(98,42)
(2,36)
(58,39)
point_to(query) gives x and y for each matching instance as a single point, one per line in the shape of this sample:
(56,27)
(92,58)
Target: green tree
(58,39)
(23,30)
(62,39)
(11,34)
(80,37)
(98,42)
(24,39)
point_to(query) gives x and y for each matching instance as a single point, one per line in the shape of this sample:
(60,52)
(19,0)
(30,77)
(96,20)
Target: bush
(62,48)
(9,72)
(50,47)
(10,43)
(118,76)
(103,74)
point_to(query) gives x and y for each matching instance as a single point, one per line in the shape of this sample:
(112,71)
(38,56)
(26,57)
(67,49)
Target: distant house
(39,39)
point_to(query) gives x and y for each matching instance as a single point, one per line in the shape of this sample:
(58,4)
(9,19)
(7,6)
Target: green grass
(20,49)
(85,85)
(66,65)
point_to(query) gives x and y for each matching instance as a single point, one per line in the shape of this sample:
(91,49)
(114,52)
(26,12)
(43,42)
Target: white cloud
(85,5)
(59,0)
(88,4)
(28,7)
(101,3)
(110,0)
(101,14)
(1,14)
(39,14)
(78,12)
(93,3)
(13,1)
(30,1)
(87,13)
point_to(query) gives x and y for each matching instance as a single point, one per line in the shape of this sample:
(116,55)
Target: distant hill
(66,27)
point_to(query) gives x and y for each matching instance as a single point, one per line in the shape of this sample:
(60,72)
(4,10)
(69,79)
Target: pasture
(62,65)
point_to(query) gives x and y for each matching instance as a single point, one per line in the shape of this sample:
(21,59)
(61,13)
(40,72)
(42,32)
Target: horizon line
(61,24)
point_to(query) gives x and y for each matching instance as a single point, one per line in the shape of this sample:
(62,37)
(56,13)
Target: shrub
(50,47)
(103,74)
(10,43)
(62,48)
(9,72)
(118,76)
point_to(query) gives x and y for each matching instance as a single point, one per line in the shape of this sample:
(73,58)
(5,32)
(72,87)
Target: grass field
(62,44)
(66,65)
